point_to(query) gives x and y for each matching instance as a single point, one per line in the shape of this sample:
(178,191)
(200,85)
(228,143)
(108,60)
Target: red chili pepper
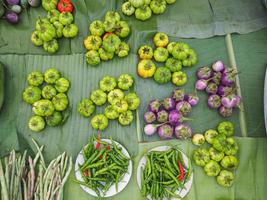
(86,172)
(181,176)
(65,6)
(97,146)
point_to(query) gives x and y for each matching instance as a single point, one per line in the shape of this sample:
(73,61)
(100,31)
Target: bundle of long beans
(25,178)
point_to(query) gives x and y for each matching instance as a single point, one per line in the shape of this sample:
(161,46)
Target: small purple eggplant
(211,88)
(229,101)
(154,105)
(11,17)
(216,77)
(214,101)
(228,77)
(224,90)
(162,116)
(225,112)
(183,131)
(204,73)
(165,131)
(178,95)
(150,129)
(168,104)
(218,66)
(12,2)
(184,108)
(150,117)
(192,99)
(201,84)
(175,117)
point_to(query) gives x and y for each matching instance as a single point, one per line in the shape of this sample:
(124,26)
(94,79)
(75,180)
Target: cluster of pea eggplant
(143,9)
(105,39)
(175,55)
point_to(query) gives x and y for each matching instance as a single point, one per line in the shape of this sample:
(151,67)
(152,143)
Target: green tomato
(210,135)
(47,32)
(198,139)
(191,58)
(123,29)
(180,51)
(65,18)
(55,119)
(147,2)
(162,75)
(170,47)
(125,81)
(70,31)
(229,162)
(173,64)
(31,94)
(120,105)
(92,57)
(115,95)
(219,142)
(161,39)
(179,78)
(231,146)
(49,5)
(226,128)
(212,168)
(161,54)
(216,155)
(126,118)
(109,26)
(143,13)
(137,3)
(111,113)
(170,1)
(92,42)
(127,8)
(98,97)
(108,83)
(62,85)
(60,101)
(105,55)
(35,78)
(36,39)
(86,108)
(97,28)
(51,46)
(112,15)
(36,123)
(158,6)
(53,15)
(132,100)
(51,75)
(123,49)
(48,92)
(41,22)
(111,43)
(145,52)
(225,178)
(99,122)
(201,156)
(43,108)
(59,29)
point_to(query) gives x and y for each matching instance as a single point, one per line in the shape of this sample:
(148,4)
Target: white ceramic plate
(181,192)
(112,190)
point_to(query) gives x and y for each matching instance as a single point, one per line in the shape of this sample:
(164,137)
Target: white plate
(112,190)
(181,192)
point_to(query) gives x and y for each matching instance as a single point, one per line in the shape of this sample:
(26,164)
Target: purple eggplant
(229,101)
(162,116)
(183,131)
(154,105)
(165,131)
(211,88)
(175,117)
(183,107)
(150,117)
(11,17)
(228,77)
(168,104)
(192,99)
(216,77)
(204,73)
(12,2)
(150,129)
(201,84)
(225,90)
(218,66)
(214,101)
(225,112)
(178,95)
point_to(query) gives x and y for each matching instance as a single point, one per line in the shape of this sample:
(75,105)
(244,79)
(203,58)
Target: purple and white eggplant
(178,95)
(225,90)
(162,116)
(225,112)
(229,101)
(192,99)
(228,77)
(154,106)
(216,77)
(150,117)
(183,131)
(165,131)
(211,88)
(201,84)
(168,104)
(204,73)
(150,129)
(218,66)
(214,101)
(184,108)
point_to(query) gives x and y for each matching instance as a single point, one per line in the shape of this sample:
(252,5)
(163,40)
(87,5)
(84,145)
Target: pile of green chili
(104,165)
(164,173)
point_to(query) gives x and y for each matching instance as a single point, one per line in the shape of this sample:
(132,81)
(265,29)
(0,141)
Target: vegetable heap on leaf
(106,38)
(219,160)
(111,92)
(47,95)
(174,55)
(58,23)
(143,9)
(167,117)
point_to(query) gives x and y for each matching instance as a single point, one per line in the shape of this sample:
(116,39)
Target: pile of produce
(25,177)
(164,174)
(143,9)
(104,165)
(218,155)
(167,117)
(120,105)
(219,83)
(106,39)
(174,55)
(47,95)
(57,24)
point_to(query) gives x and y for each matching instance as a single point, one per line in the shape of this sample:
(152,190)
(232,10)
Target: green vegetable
(143,13)
(212,168)
(109,26)
(210,135)
(31,94)
(47,32)
(36,40)
(86,107)
(111,113)
(126,118)
(161,54)
(49,5)
(112,15)
(111,43)
(98,97)
(162,75)
(43,108)
(231,146)
(114,95)
(173,64)
(53,15)
(179,78)
(41,22)
(59,29)
(137,3)
(161,39)
(35,78)
(92,57)
(65,18)
(198,139)
(229,162)
(97,28)
(219,142)
(145,52)
(170,47)
(62,85)
(127,8)
(132,100)
(107,84)
(105,55)
(158,6)
(36,123)
(226,128)
(125,81)
(180,51)
(70,30)
(48,92)
(60,101)
(123,49)
(51,46)
(215,155)
(191,58)
(54,120)
(51,75)
(225,178)
(122,29)
(99,122)
(201,156)
(120,105)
